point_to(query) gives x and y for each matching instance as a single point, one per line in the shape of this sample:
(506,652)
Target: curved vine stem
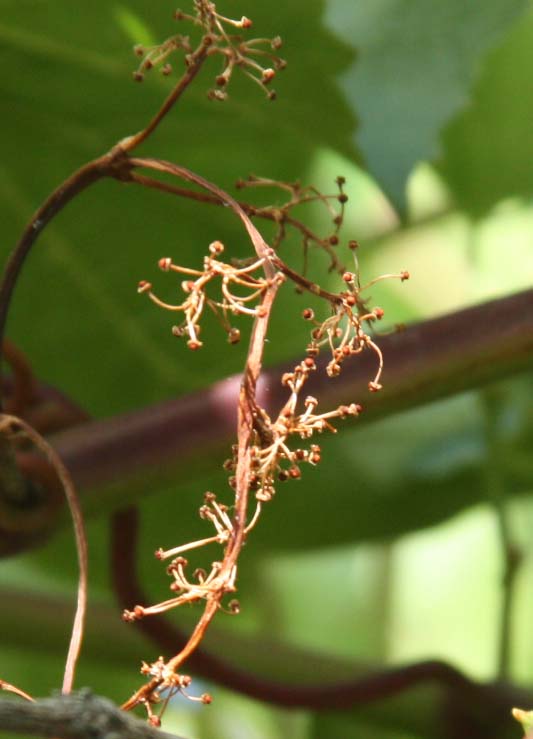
(9,426)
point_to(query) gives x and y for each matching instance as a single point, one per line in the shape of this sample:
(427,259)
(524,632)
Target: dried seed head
(194,344)
(276,42)
(333,240)
(308,314)
(309,363)
(138,76)
(138,50)
(404,275)
(348,277)
(374,387)
(350,300)
(343,198)
(166,70)
(206,699)
(295,473)
(353,245)
(164,263)
(340,181)
(379,313)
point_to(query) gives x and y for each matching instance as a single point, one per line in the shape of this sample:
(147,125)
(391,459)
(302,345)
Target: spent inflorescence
(228,304)
(256,58)
(279,446)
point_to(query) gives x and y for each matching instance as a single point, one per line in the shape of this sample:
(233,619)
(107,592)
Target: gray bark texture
(80,715)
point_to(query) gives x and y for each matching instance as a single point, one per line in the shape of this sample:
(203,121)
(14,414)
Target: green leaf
(415,65)
(487,150)
(67,98)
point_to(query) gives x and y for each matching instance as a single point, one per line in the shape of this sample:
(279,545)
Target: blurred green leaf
(415,65)
(486,153)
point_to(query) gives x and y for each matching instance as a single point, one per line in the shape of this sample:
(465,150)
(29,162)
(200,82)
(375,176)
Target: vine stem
(9,425)
(247,411)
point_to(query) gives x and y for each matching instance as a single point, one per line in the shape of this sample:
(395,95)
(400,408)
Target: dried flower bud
(333,369)
(206,699)
(234,336)
(379,313)
(333,240)
(340,181)
(283,475)
(353,245)
(245,22)
(138,50)
(343,198)
(267,76)
(286,378)
(295,473)
(348,277)
(309,363)
(144,286)
(165,263)
(138,76)
(374,387)
(166,70)
(276,42)
(216,248)
(154,721)
(308,314)
(194,344)
(404,275)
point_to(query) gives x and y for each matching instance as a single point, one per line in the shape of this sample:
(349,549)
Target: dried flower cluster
(197,299)
(218,37)
(274,457)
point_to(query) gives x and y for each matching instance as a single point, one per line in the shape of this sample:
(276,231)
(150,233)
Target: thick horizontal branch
(80,715)
(427,361)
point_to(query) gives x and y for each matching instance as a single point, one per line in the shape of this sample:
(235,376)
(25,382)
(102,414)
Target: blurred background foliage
(390,551)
